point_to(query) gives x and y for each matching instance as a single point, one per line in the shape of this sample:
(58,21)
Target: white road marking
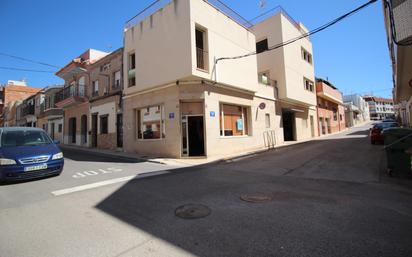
(105,183)
(83,174)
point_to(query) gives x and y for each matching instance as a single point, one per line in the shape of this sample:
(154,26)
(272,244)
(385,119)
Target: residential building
(13,91)
(106,120)
(380,108)
(291,70)
(179,101)
(356,110)
(9,113)
(331,111)
(74,97)
(28,117)
(50,117)
(398,20)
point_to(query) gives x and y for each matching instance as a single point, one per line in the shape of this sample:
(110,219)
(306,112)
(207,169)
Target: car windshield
(24,138)
(386,125)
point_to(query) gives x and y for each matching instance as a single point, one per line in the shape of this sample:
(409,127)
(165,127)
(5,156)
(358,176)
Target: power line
(30,70)
(312,32)
(29,60)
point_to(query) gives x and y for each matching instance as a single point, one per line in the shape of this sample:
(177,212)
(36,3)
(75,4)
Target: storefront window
(150,122)
(233,120)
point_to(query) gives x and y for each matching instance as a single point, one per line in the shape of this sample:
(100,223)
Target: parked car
(27,153)
(389,120)
(376,132)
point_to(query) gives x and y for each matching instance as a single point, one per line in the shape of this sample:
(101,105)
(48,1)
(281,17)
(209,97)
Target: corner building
(178,102)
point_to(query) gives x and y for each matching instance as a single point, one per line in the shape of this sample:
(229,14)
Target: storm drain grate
(192,211)
(256,198)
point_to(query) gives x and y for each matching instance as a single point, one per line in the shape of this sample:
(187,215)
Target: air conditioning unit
(402,15)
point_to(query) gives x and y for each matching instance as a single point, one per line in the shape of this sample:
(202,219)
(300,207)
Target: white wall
(285,64)
(162,46)
(225,38)
(165,47)
(104,109)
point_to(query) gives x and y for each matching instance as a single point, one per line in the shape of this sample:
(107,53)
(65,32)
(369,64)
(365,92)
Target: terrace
(218,5)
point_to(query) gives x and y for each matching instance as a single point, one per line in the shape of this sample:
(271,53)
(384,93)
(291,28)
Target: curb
(110,155)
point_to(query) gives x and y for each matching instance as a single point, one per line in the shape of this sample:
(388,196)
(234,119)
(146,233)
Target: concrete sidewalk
(186,162)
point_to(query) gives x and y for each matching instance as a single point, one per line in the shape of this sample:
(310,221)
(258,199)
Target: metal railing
(70,91)
(220,6)
(27,110)
(202,58)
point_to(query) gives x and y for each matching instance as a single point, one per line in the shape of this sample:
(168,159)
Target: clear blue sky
(352,54)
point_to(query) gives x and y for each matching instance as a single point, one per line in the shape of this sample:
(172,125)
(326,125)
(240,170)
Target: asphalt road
(328,197)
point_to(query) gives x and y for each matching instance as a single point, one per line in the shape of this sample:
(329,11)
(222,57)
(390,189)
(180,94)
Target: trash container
(397,141)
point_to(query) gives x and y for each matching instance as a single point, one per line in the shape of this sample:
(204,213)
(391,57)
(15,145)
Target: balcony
(27,110)
(328,92)
(202,58)
(71,95)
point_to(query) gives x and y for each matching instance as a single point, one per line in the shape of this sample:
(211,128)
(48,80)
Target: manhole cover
(192,211)
(256,198)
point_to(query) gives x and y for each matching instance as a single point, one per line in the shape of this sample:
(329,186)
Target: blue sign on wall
(212,114)
(171,115)
(239,124)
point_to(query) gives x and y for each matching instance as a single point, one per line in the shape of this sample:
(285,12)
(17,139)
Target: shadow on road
(360,132)
(308,211)
(83,156)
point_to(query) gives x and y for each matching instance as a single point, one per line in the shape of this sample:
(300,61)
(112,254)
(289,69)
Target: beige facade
(105,121)
(399,36)
(49,117)
(182,104)
(91,99)
(291,70)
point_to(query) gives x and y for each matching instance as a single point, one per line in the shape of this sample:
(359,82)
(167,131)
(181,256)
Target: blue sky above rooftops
(353,54)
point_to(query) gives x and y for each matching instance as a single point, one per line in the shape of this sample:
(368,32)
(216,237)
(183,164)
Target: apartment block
(11,92)
(356,110)
(50,117)
(398,20)
(74,97)
(290,69)
(330,109)
(380,108)
(106,117)
(178,101)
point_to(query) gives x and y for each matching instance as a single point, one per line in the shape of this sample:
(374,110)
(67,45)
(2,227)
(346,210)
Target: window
(105,67)
(308,84)
(132,73)
(264,78)
(104,124)
(117,79)
(262,46)
(150,122)
(60,128)
(24,138)
(267,120)
(335,114)
(233,120)
(95,88)
(306,56)
(201,49)
(340,116)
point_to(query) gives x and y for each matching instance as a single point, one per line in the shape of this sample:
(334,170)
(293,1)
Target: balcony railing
(27,110)
(71,91)
(202,58)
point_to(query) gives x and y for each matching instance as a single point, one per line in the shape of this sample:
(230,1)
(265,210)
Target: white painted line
(105,183)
